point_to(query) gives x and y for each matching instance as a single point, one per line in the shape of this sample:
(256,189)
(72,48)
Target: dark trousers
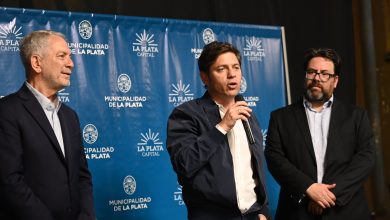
(217,213)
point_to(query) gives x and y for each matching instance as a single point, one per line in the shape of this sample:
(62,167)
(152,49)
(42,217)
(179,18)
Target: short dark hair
(325,53)
(211,52)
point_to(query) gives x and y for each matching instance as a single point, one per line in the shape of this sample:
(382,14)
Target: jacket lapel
(300,116)
(35,109)
(65,129)
(211,109)
(334,127)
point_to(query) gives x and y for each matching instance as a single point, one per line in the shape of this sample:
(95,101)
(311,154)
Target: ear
(205,78)
(35,61)
(336,81)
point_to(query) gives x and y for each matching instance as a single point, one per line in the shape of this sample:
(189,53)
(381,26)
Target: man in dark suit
(319,149)
(43,170)
(219,169)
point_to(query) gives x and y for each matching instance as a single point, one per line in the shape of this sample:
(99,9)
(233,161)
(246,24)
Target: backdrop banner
(130,72)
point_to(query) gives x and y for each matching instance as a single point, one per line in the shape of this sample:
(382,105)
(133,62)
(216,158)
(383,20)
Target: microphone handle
(248,132)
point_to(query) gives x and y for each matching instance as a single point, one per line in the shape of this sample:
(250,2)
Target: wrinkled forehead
(320,63)
(57,44)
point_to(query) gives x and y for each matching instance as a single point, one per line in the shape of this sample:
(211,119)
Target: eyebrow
(63,52)
(321,71)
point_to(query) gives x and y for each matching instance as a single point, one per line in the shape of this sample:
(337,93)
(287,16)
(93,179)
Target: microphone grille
(239,98)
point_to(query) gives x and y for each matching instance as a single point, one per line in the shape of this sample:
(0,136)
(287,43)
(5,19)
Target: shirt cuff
(221,129)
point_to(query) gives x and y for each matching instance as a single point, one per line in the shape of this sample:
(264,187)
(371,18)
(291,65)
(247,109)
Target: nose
(231,73)
(70,63)
(317,76)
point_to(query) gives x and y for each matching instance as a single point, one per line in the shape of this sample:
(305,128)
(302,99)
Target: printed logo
(243,85)
(177,195)
(129,204)
(254,50)
(90,133)
(63,96)
(208,36)
(129,185)
(180,93)
(85,29)
(150,144)
(88,49)
(251,100)
(196,52)
(10,35)
(264,133)
(145,46)
(124,83)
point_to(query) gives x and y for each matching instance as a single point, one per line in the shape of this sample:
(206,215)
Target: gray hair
(35,42)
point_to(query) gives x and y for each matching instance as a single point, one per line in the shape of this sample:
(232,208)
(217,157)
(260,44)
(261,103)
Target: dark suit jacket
(201,157)
(36,181)
(348,161)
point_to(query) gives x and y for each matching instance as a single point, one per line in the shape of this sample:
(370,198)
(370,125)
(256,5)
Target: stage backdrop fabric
(130,72)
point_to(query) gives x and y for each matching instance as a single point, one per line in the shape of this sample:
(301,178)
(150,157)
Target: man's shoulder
(10,100)
(190,104)
(348,108)
(67,109)
(194,108)
(289,108)
(12,106)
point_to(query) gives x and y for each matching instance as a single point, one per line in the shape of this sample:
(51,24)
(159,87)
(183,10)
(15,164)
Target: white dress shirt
(243,172)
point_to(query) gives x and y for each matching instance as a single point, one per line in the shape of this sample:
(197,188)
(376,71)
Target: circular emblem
(208,36)
(124,83)
(85,29)
(129,185)
(90,133)
(243,85)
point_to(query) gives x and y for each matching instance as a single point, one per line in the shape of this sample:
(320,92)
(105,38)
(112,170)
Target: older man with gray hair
(43,169)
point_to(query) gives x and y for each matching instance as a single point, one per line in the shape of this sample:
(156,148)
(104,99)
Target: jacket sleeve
(360,165)
(87,211)
(190,143)
(17,194)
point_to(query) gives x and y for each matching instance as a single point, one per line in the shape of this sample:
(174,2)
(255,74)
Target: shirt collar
(327,104)
(44,101)
(220,106)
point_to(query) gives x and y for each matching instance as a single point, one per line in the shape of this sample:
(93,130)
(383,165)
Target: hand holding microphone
(239,110)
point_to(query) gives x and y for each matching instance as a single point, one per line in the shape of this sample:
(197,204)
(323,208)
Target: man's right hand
(239,110)
(320,193)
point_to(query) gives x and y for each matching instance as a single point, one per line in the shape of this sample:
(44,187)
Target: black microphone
(245,123)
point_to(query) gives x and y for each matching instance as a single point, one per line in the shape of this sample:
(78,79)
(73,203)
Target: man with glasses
(319,149)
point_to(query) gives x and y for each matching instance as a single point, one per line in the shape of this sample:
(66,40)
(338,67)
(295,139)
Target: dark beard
(323,97)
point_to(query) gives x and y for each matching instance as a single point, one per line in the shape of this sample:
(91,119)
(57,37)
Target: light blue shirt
(319,129)
(51,110)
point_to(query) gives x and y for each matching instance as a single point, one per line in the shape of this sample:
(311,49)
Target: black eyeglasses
(324,77)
